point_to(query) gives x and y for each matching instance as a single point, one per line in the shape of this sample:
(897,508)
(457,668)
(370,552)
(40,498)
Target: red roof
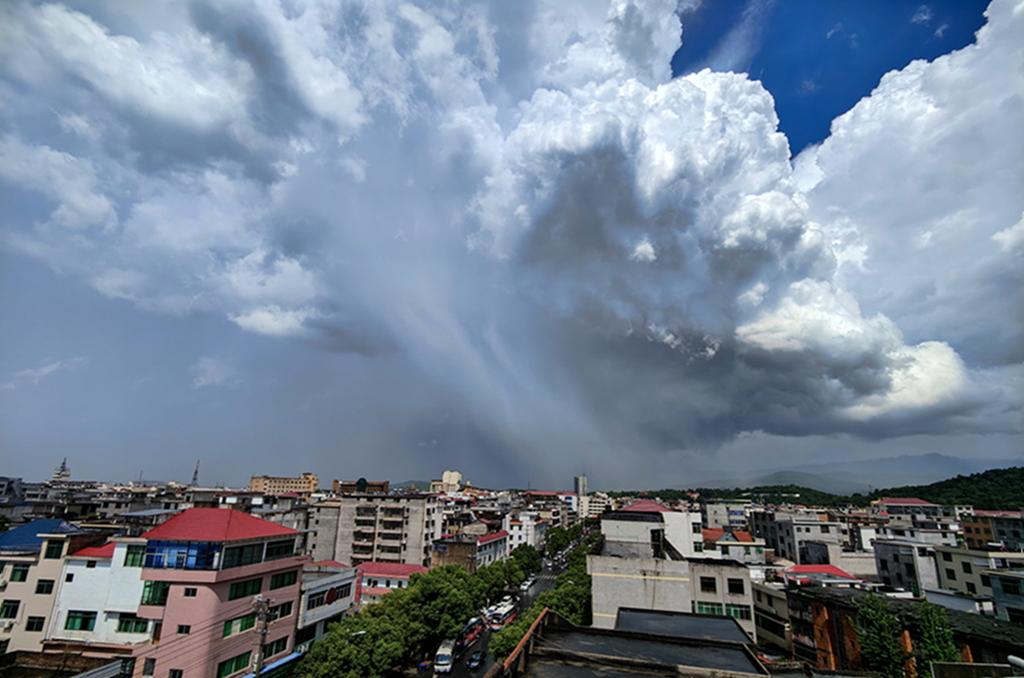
(716,533)
(213,524)
(647,506)
(984,513)
(545,493)
(373,568)
(374,591)
(104,551)
(828,570)
(487,538)
(910,501)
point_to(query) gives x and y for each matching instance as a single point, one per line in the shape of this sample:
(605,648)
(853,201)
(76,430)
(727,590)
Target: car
(525,586)
(475,659)
(444,660)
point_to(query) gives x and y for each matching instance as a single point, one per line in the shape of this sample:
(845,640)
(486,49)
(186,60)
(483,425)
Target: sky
(648,241)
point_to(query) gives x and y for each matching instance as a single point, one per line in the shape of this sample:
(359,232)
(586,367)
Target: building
(963,570)
(594,505)
(645,522)
(97,598)
(722,587)
(525,527)
(449,483)
(374,580)
(794,531)
(359,528)
(729,515)
(771,616)
(1008,530)
(470,551)
(361,486)
(307,484)
(31,564)
(579,484)
(906,507)
(980,531)
(328,593)
(204,571)
(906,564)
(929,532)
(1008,594)
(736,545)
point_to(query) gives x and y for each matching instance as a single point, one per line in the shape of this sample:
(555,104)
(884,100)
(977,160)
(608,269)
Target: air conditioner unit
(3,582)
(7,624)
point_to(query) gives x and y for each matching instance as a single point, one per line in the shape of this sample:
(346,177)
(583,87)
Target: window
(948,557)
(184,629)
(190,591)
(279,611)
(698,547)
(971,588)
(950,574)
(725,550)
(275,647)
(80,620)
(736,586)
(129,623)
(986,581)
(1010,587)
(44,586)
(241,589)
(966,567)
(19,571)
(233,665)
(35,623)
(54,550)
(280,549)
(90,564)
(134,555)
(283,579)
(825,529)
(738,611)
(9,609)
(708,585)
(149,666)
(316,600)
(709,608)
(155,592)
(176,673)
(239,624)
(69,577)
(236,556)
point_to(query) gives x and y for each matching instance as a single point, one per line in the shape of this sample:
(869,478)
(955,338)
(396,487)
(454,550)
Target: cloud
(923,15)
(208,372)
(48,368)
(516,210)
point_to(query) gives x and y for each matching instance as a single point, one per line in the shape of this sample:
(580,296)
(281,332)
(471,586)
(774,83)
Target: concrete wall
(643,583)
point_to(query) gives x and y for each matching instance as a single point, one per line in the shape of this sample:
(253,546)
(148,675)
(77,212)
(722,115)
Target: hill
(1001,489)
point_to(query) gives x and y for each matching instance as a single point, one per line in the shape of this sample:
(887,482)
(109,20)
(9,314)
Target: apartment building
(31,564)
(771,616)
(722,587)
(360,486)
(1008,530)
(730,515)
(978,528)
(374,580)
(736,545)
(963,570)
(470,551)
(97,598)
(1008,594)
(307,483)
(645,521)
(328,593)
(359,528)
(906,564)
(202,571)
(524,527)
(594,505)
(928,532)
(794,531)
(450,482)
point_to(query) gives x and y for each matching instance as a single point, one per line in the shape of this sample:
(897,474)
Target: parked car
(475,660)
(445,657)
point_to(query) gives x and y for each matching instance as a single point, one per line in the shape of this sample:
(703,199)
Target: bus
(502,615)
(470,633)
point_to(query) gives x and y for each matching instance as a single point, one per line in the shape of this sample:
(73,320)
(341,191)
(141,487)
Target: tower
(195,475)
(62,473)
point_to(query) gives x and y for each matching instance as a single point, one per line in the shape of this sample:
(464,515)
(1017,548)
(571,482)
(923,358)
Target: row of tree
(407,625)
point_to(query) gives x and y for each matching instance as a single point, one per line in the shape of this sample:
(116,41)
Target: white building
(328,591)
(643,521)
(907,565)
(98,595)
(792,532)
(524,527)
(593,505)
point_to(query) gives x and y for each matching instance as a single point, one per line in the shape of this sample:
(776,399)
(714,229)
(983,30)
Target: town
(294,576)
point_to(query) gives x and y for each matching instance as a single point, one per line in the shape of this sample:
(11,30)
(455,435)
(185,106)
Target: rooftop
(717,533)
(493,536)
(26,538)
(216,525)
(378,569)
(903,501)
(646,506)
(680,625)
(102,551)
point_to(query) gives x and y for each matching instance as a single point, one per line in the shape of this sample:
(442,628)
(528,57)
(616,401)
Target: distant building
(361,486)
(737,545)
(963,570)
(771,616)
(328,593)
(906,564)
(980,531)
(792,532)
(594,505)
(580,485)
(378,579)
(201,572)
(449,483)
(31,565)
(722,587)
(525,527)
(359,528)
(307,483)
(471,552)
(1008,594)
(728,515)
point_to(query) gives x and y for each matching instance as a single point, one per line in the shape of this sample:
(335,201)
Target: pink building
(203,569)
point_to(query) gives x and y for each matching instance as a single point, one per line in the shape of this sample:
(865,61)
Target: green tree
(879,632)
(934,642)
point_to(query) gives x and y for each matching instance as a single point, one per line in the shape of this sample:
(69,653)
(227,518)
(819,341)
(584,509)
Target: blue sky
(819,58)
(523,240)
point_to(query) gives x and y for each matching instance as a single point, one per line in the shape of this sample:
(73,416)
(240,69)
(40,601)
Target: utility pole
(261,606)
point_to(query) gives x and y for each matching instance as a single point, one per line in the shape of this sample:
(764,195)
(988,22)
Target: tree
(934,641)
(527,557)
(556,540)
(879,632)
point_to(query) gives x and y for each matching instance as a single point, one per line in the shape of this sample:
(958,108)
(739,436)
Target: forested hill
(994,489)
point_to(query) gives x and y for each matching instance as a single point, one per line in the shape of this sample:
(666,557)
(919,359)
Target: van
(444,660)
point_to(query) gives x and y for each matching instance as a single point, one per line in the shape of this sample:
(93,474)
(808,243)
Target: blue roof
(26,537)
